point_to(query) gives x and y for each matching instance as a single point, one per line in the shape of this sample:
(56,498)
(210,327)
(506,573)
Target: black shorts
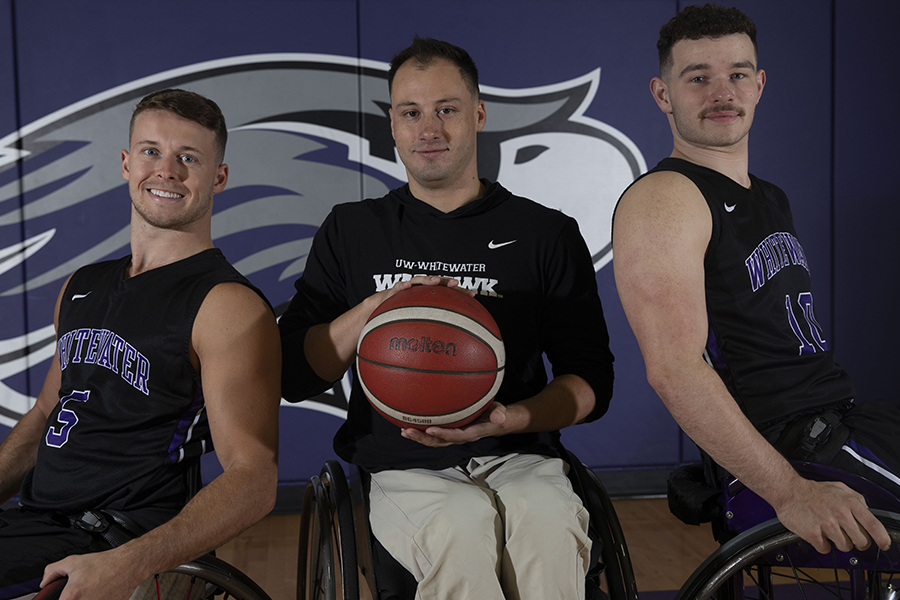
(873,448)
(30,540)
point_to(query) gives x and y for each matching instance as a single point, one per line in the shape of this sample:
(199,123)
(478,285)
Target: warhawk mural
(306,132)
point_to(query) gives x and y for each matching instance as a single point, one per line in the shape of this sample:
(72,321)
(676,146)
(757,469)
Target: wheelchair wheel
(326,561)
(201,579)
(769,562)
(315,556)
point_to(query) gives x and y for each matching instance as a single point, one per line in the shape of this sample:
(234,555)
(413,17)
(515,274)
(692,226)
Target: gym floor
(664,550)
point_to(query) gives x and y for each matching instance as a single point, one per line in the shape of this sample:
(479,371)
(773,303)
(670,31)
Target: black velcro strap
(816,438)
(691,498)
(98,523)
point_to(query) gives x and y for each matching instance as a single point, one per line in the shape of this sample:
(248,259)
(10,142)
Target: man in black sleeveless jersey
(159,354)
(716,287)
(484,511)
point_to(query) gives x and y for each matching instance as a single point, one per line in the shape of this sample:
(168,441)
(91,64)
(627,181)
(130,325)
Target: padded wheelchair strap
(690,497)
(112,529)
(815,439)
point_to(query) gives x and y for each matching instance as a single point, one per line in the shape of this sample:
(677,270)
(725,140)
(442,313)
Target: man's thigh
(31,540)
(404,503)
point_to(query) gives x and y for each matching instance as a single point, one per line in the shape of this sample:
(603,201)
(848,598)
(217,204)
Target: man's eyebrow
(741,64)
(181,149)
(438,101)
(694,67)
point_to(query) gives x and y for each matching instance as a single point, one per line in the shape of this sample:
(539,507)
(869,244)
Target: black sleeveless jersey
(131,410)
(764,340)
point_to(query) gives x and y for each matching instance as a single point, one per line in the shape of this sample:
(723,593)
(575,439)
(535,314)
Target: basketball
(430,356)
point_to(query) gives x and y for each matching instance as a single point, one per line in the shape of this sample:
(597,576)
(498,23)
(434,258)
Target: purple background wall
(825,132)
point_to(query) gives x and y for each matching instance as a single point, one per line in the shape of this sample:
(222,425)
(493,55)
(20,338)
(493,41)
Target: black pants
(30,540)
(873,448)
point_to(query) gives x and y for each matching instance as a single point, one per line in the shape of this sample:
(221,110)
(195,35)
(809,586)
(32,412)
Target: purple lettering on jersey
(115,347)
(62,350)
(104,349)
(127,361)
(767,256)
(103,358)
(93,346)
(755,269)
(779,250)
(80,335)
(142,374)
(791,247)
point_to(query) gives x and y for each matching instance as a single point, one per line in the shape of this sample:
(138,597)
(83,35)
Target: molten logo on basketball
(426,344)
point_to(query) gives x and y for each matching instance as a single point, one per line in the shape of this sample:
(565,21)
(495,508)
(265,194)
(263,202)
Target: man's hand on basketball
(424,280)
(830,512)
(488,424)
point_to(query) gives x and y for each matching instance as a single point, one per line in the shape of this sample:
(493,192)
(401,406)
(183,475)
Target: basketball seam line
(429,371)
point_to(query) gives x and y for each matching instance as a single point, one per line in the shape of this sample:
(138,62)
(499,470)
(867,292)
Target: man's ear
(660,92)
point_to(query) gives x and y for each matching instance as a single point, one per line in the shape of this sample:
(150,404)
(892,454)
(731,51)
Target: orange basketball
(430,356)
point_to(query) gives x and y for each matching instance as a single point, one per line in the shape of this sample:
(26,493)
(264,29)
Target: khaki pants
(504,528)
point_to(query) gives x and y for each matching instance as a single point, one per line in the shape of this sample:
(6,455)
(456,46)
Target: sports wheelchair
(204,578)
(340,558)
(761,559)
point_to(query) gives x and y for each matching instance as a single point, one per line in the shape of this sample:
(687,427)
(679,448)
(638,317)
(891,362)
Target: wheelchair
(339,558)
(205,578)
(761,559)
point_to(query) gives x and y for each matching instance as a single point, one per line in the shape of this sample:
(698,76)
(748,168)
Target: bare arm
(661,233)
(237,345)
(18,452)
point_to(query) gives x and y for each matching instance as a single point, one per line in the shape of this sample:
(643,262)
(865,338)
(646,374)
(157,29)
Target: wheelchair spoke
(797,577)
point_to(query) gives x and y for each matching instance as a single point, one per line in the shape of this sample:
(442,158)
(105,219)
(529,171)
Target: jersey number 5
(805,301)
(58,436)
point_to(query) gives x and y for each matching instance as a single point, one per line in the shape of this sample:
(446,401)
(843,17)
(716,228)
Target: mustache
(722,108)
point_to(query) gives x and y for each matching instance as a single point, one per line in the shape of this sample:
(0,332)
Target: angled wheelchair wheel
(769,562)
(326,561)
(206,577)
(612,570)
(203,579)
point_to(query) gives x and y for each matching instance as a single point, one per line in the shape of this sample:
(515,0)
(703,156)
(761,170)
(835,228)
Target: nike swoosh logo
(493,246)
(80,296)
(729,208)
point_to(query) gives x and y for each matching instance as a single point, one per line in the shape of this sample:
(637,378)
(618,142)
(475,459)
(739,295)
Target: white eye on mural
(581,176)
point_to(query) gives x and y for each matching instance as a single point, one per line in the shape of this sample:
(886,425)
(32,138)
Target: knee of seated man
(544,508)
(465,523)
(465,510)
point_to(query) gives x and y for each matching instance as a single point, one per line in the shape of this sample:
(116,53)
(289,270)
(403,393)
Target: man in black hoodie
(493,494)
